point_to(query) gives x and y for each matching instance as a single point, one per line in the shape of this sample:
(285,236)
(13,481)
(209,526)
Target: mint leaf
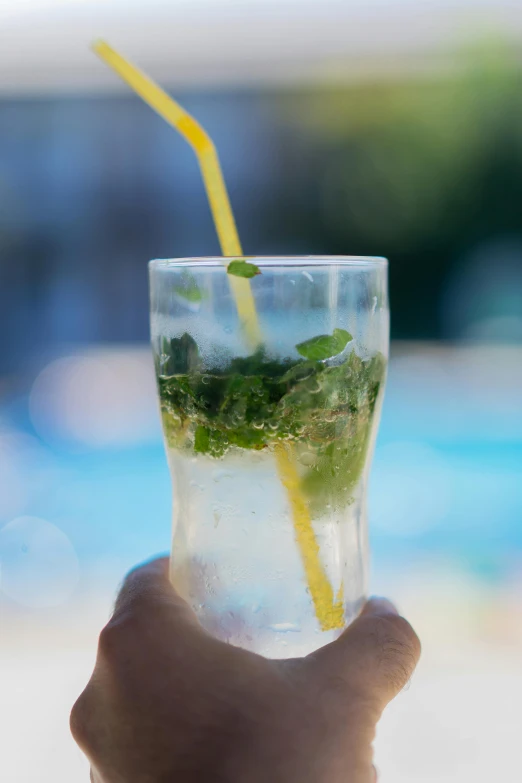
(253,402)
(191,294)
(183,355)
(201,440)
(189,289)
(324,346)
(243,269)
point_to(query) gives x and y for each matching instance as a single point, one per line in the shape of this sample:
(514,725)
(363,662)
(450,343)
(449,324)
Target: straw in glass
(329,610)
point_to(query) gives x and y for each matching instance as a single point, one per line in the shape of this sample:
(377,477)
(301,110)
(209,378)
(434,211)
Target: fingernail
(378,605)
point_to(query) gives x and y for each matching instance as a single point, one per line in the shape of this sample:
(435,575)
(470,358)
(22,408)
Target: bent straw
(208,161)
(329,612)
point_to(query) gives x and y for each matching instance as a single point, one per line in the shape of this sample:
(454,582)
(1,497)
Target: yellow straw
(329,612)
(208,161)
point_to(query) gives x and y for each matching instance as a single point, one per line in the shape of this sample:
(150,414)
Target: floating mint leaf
(324,346)
(243,269)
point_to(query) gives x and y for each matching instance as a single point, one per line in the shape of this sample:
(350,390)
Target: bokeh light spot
(103,398)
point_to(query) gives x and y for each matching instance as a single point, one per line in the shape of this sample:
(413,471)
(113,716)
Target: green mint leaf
(192,294)
(324,346)
(209,441)
(189,290)
(183,355)
(243,269)
(201,440)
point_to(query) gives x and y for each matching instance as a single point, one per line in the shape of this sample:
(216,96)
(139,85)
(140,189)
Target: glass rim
(271,261)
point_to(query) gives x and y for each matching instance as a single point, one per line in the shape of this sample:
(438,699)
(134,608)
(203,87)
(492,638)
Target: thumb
(146,583)
(147,594)
(376,655)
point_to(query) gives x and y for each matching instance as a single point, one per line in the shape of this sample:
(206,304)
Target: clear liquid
(236,561)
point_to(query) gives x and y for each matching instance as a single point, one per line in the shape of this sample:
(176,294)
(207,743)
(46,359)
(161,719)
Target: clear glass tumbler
(269,443)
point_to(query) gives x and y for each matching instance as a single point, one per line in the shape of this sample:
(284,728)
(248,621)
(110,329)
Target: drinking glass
(269,445)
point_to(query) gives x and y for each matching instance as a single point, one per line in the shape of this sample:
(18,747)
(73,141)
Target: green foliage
(257,401)
(426,170)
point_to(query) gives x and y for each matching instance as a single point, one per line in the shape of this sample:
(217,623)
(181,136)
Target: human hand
(167,703)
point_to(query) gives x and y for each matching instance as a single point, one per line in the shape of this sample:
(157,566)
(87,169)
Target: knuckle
(399,648)
(79,719)
(109,640)
(398,665)
(115,636)
(396,631)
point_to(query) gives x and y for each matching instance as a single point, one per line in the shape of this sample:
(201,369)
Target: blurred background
(386,127)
